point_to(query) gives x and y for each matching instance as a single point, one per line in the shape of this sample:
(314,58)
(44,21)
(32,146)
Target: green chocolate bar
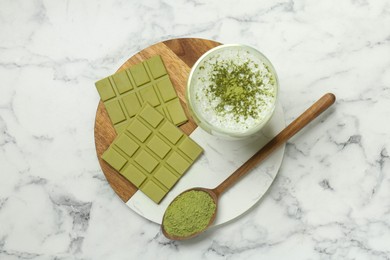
(124,93)
(152,153)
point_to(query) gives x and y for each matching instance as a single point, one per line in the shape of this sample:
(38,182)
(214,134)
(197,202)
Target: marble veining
(330,199)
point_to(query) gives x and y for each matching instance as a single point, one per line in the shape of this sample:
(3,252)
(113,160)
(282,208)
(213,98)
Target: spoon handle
(311,113)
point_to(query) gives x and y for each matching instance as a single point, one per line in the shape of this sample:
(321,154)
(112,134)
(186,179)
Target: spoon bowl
(305,118)
(214,198)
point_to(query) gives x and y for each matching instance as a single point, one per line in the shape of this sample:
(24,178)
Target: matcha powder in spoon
(189,213)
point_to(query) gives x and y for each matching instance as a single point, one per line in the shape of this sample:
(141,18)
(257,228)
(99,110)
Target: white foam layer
(229,120)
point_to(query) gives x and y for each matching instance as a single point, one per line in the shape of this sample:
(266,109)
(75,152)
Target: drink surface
(234,90)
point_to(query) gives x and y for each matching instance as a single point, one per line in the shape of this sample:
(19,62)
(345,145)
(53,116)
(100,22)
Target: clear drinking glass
(193,104)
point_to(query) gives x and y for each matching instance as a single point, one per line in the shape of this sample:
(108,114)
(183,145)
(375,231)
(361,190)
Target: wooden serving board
(179,55)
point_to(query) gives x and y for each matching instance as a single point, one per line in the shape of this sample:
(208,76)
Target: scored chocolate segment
(124,93)
(152,153)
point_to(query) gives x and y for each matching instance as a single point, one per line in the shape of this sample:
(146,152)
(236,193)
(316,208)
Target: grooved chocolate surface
(125,92)
(152,153)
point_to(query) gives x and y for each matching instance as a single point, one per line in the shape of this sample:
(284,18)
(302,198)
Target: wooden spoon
(311,113)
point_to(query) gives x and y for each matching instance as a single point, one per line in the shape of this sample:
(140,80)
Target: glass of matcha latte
(232,91)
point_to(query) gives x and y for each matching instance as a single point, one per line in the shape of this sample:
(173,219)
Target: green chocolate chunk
(114,159)
(152,153)
(149,95)
(151,116)
(132,104)
(129,89)
(190,148)
(116,112)
(170,132)
(166,89)
(158,146)
(139,74)
(139,130)
(176,112)
(121,128)
(122,82)
(153,191)
(146,160)
(177,162)
(167,178)
(156,67)
(105,90)
(127,145)
(134,175)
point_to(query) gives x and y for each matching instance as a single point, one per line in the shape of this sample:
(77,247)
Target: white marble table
(331,198)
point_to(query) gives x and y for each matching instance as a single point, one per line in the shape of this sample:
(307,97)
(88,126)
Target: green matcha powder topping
(238,87)
(189,213)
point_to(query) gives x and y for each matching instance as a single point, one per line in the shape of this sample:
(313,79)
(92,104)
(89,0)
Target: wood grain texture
(179,55)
